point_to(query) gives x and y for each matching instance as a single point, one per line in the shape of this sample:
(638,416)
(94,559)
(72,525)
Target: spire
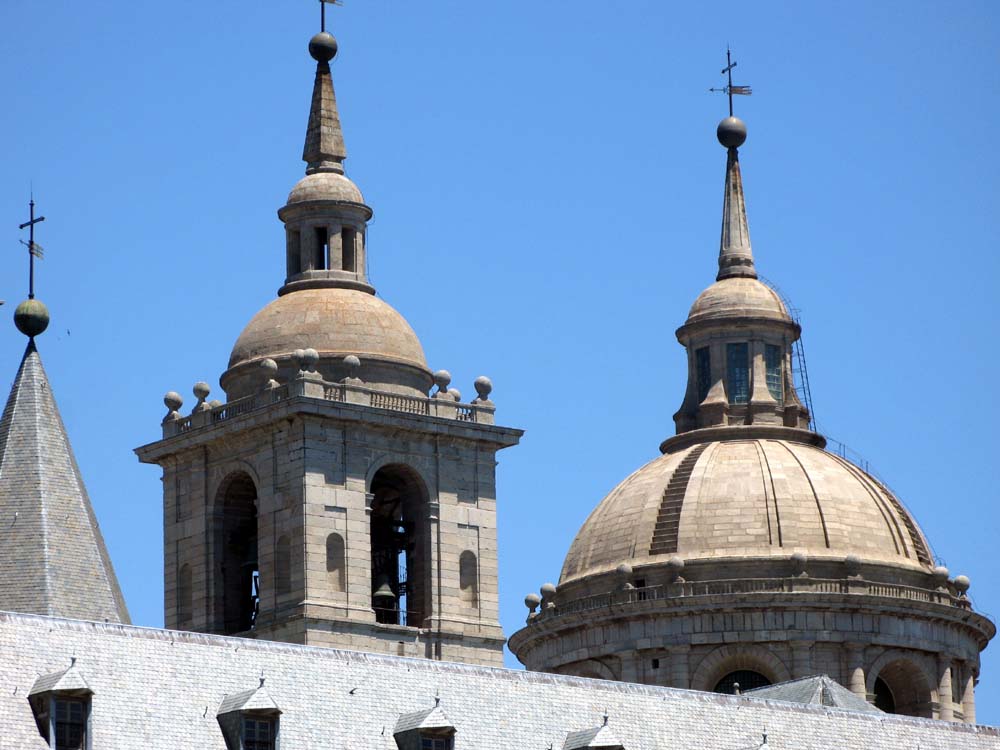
(52,556)
(735,254)
(324,150)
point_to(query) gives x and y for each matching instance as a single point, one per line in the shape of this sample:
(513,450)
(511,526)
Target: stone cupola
(738,333)
(327,302)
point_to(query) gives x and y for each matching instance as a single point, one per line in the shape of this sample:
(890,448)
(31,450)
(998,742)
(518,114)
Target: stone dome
(748,498)
(325,186)
(737,297)
(334,322)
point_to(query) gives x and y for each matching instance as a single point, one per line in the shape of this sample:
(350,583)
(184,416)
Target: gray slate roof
(52,556)
(159,689)
(429,718)
(819,690)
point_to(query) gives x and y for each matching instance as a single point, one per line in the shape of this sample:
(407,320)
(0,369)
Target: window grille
(258,733)
(436,743)
(772,363)
(703,367)
(70,724)
(738,366)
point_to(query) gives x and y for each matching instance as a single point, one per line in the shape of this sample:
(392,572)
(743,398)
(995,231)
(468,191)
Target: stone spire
(324,150)
(52,556)
(735,254)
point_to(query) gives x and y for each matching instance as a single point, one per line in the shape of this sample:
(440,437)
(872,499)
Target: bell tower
(331,499)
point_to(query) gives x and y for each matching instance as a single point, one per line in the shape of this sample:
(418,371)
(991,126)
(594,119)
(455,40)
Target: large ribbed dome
(747,498)
(334,322)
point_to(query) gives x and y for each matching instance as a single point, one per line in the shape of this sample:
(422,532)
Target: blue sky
(547,193)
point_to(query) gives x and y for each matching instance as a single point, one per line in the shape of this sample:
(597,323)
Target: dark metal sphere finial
(323,47)
(31,318)
(732,132)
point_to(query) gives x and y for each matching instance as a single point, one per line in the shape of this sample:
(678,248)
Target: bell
(384,598)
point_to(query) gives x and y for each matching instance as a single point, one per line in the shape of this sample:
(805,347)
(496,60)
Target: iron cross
(729,89)
(34,251)
(322,12)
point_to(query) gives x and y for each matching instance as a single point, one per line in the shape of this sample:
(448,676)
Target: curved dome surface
(748,498)
(738,297)
(325,186)
(332,321)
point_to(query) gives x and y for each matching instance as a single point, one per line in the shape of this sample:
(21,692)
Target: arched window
(283,566)
(747,679)
(903,689)
(336,563)
(400,547)
(235,550)
(185,597)
(468,578)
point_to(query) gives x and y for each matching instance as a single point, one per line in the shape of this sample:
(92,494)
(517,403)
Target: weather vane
(729,89)
(34,249)
(322,11)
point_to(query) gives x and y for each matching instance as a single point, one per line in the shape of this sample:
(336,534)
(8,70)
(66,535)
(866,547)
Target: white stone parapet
(478,413)
(687,589)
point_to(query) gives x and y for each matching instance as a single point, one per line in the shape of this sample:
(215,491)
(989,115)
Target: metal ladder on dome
(800,373)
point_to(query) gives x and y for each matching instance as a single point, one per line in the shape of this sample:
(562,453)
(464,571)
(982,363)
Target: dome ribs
(768,480)
(891,521)
(812,488)
(668,520)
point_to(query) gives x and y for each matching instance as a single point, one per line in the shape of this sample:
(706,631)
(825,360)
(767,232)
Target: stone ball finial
(548,590)
(323,47)
(624,570)
(270,368)
(455,394)
(31,318)
(940,575)
(732,132)
(173,401)
(962,583)
(353,364)
(215,403)
(442,379)
(201,390)
(853,565)
(310,358)
(799,561)
(675,565)
(531,601)
(484,387)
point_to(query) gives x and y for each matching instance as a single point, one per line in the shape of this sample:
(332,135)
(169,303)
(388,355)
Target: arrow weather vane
(322,12)
(729,89)
(34,249)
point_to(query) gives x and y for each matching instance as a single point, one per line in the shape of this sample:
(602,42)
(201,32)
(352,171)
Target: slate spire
(324,150)
(52,556)
(735,254)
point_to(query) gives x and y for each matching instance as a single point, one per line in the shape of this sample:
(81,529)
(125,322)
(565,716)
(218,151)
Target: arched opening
(236,553)
(468,578)
(283,566)
(399,546)
(746,679)
(185,598)
(884,700)
(904,689)
(336,563)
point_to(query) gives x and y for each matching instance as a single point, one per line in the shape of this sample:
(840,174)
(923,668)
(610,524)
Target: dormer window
(738,373)
(250,720)
(259,732)
(428,742)
(61,705)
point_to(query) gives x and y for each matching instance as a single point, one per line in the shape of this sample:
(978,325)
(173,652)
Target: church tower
(330,500)
(747,554)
